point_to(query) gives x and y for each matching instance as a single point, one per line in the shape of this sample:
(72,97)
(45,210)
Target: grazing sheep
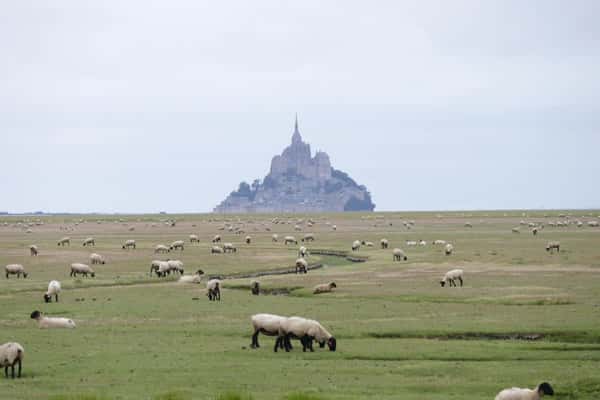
(155,265)
(306,330)
(53,290)
(534,231)
(33,250)
(468,225)
(229,248)
(289,240)
(399,255)
(97,259)
(384,243)
(369,244)
(422,243)
(411,242)
(89,242)
(248,239)
(451,276)
(216,239)
(593,224)
(267,324)
(161,248)
(82,269)
(52,322)
(177,245)
(15,269)
(356,245)
(194,239)
(163,269)
(195,278)
(324,288)
(129,244)
(438,241)
(64,241)
(213,289)
(216,250)
(526,394)
(302,252)
(11,354)
(301,266)
(448,249)
(550,246)
(275,237)
(255,287)
(175,266)
(516,230)
(309,237)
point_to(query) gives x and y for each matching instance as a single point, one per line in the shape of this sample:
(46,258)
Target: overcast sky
(142,106)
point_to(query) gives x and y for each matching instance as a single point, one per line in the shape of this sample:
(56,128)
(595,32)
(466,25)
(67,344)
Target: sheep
(154,265)
(356,245)
(468,225)
(11,354)
(83,269)
(422,243)
(162,269)
(451,276)
(550,246)
(267,324)
(216,239)
(194,239)
(438,241)
(289,240)
(15,269)
(334,227)
(216,250)
(384,243)
(33,250)
(302,252)
(255,287)
(515,393)
(52,322)
(593,224)
(229,248)
(97,259)
(53,290)
(195,278)
(306,330)
(275,237)
(213,289)
(64,241)
(534,231)
(178,244)
(129,244)
(324,288)
(369,244)
(399,255)
(411,242)
(161,248)
(516,230)
(89,242)
(448,249)
(248,239)
(309,237)
(301,266)
(175,266)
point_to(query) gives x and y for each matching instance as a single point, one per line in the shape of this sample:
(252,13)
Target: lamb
(11,354)
(64,241)
(399,255)
(248,239)
(306,330)
(550,246)
(82,269)
(195,278)
(302,252)
(53,290)
(89,242)
(526,394)
(229,248)
(448,249)
(324,288)
(129,244)
(33,250)
(194,239)
(216,239)
(384,243)
(213,289)
(451,276)
(15,269)
(178,244)
(356,245)
(97,259)
(309,237)
(216,250)
(52,322)
(267,324)
(301,266)
(255,287)
(289,240)
(275,237)
(161,248)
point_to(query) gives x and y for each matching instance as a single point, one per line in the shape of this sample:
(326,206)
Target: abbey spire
(296,138)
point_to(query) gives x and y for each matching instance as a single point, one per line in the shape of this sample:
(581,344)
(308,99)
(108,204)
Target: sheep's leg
(6,371)
(19,373)
(277,344)
(461,281)
(255,340)
(56,295)
(12,371)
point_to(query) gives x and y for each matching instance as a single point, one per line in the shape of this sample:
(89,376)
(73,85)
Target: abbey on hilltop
(297,183)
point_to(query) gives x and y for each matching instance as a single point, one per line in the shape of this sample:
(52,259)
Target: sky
(145,106)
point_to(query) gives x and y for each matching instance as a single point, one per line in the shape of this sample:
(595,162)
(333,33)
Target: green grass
(400,335)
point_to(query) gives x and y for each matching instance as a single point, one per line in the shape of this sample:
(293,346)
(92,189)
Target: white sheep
(309,237)
(289,240)
(267,324)
(399,255)
(229,248)
(177,245)
(89,242)
(306,330)
(53,290)
(96,258)
(356,245)
(33,250)
(52,322)
(15,269)
(194,239)
(593,224)
(334,227)
(195,278)
(175,266)
(448,249)
(255,287)
(550,246)
(129,244)
(11,354)
(248,239)
(468,225)
(369,244)
(274,237)
(64,241)
(384,243)
(161,248)
(301,266)
(216,239)
(438,241)
(216,250)
(411,242)
(526,394)
(422,243)
(324,288)
(451,276)
(154,265)
(83,269)
(516,230)
(213,289)
(302,252)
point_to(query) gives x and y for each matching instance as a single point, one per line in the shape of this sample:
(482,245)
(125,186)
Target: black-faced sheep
(399,255)
(89,242)
(324,288)
(15,269)
(33,250)
(451,276)
(301,266)
(289,240)
(82,269)
(53,290)
(129,244)
(11,354)
(52,322)
(213,289)
(177,245)
(551,246)
(526,394)
(64,241)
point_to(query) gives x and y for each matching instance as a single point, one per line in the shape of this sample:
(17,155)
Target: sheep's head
(332,285)
(545,388)
(93,274)
(405,258)
(25,274)
(442,283)
(36,314)
(332,343)
(200,272)
(47,298)
(123,247)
